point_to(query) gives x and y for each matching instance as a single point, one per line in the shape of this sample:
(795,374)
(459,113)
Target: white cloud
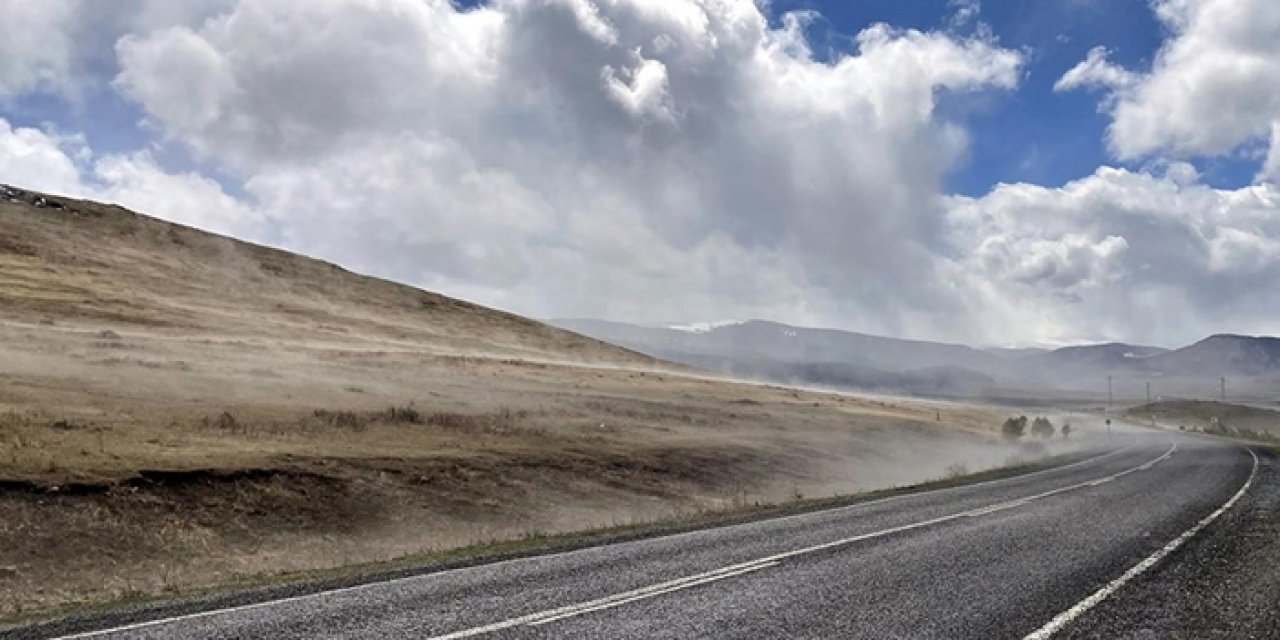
(641,90)
(35,159)
(1212,88)
(137,182)
(1095,71)
(45,161)
(197,73)
(1271,166)
(568,157)
(36,52)
(63,48)
(679,160)
(966,11)
(288,83)
(1119,254)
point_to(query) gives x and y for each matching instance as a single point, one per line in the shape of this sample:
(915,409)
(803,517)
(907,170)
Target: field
(180,410)
(1221,418)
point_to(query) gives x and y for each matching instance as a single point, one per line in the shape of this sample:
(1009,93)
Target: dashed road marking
(551,615)
(146,624)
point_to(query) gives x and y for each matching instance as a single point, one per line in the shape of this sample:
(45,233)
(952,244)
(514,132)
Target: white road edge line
(543,617)
(370,585)
(1065,618)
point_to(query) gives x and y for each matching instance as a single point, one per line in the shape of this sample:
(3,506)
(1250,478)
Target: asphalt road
(1099,548)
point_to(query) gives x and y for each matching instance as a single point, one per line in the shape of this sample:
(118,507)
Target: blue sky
(1032,134)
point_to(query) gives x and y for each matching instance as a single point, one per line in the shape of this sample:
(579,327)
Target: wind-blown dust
(178,409)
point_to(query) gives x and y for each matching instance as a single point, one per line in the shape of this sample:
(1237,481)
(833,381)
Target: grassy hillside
(89,265)
(1211,416)
(178,409)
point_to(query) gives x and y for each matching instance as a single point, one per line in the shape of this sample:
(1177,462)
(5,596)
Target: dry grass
(1219,418)
(178,409)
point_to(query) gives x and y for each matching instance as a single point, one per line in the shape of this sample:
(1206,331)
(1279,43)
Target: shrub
(1041,427)
(403,414)
(224,422)
(341,419)
(1014,428)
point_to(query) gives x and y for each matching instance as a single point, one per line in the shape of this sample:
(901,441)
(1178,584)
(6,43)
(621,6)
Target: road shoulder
(1222,583)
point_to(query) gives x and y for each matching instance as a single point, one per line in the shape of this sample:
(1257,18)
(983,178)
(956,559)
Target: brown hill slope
(178,409)
(88,264)
(1210,416)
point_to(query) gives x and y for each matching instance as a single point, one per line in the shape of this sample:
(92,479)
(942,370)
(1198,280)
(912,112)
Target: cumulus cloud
(36,51)
(1095,71)
(571,157)
(34,158)
(63,48)
(643,90)
(46,161)
(678,160)
(1120,254)
(136,181)
(1211,89)
(1271,166)
(966,11)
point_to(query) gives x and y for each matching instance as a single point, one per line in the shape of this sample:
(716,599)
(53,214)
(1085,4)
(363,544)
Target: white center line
(414,578)
(996,507)
(615,602)
(551,615)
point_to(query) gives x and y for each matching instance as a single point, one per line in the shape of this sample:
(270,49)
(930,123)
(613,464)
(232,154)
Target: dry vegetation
(1219,418)
(177,409)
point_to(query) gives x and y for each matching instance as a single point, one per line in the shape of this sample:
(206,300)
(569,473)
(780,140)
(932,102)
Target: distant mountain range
(831,357)
(1223,354)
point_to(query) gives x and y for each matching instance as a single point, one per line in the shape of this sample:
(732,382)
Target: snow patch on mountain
(705,327)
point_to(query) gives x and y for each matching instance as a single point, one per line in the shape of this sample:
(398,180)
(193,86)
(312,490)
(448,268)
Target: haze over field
(199,410)
(841,359)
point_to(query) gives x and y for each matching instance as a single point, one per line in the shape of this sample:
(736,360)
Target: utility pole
(1148,392)
(1110,396)
(1223,382)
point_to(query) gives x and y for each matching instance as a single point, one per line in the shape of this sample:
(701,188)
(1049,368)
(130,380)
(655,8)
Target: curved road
(1057,553)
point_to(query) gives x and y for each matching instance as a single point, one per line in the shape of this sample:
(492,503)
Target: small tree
(1041,427)
(1014,428)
